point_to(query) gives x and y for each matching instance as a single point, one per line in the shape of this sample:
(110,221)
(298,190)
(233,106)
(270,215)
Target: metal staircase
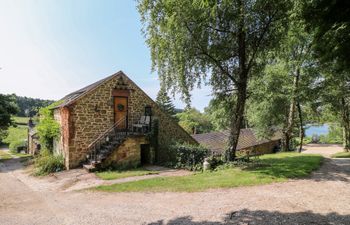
(103,146)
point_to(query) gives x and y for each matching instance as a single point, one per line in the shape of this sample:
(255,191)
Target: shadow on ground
(333,170)
(262,217)
(8,165)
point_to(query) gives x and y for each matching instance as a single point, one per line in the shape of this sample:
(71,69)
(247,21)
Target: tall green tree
(218,42)
(330,23)
(217,112)
(296,52)
(29,106)
(269,100)
(336,93)
(7,108)
(286,81)
(164,101)
(194,122)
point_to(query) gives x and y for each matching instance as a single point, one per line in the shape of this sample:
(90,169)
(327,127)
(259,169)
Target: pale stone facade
(87,113)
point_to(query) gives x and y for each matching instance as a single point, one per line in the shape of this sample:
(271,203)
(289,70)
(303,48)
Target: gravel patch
(322,198)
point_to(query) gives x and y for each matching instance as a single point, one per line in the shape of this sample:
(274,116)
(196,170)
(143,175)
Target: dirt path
(79,179)
(321,199)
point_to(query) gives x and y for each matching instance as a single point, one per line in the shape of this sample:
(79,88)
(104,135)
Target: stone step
(103,152)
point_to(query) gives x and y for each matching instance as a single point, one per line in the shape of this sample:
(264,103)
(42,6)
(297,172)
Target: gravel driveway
(324,198)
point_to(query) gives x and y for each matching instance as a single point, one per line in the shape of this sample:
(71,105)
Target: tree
(329,21)
(29,106)
(165,103)
(194,122)
(297,55)
(278,97)
(217,112)
(215,41)
(269,100)
(336,93)
(7,108)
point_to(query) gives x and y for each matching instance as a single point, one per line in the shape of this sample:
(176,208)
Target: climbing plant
(48,128)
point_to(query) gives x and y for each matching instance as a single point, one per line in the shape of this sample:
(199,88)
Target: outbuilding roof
(217,141)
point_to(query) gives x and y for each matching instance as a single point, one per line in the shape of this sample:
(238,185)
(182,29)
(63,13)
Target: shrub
(189,156)
(215,161)
(17,145)
(46,162)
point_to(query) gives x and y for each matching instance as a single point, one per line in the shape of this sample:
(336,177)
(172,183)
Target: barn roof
(217,141)
(72,97)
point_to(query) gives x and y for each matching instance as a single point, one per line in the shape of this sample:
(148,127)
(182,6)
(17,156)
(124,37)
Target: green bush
(215,161)
(46,162)
(189,156)
(334,136)
(17,145)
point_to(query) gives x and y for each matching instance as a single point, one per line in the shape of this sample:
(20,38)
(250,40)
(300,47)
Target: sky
(49,48)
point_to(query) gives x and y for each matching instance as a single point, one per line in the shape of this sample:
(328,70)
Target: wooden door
(121,111)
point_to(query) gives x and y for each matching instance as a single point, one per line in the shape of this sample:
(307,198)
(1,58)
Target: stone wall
(93,113)
(33,142)
(169,130)
(128,154)
(61,144)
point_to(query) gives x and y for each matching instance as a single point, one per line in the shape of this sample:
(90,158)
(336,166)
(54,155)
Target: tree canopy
(8,107)
(194,122)
(217,42)
(164,101)
(330,22)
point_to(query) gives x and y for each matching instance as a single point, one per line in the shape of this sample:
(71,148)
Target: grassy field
(271,168)
(4,155)
(112,175)
(341,155)
(16,136)
(20,120)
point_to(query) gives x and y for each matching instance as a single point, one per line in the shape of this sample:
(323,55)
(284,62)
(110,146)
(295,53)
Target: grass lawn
(5,155)
(341,155)
(20,120)
(9,155)
(273,168)
(115,174)
(16,136)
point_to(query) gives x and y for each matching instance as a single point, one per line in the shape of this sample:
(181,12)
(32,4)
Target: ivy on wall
(48,128)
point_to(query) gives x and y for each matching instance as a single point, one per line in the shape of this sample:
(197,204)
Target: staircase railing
(111,133)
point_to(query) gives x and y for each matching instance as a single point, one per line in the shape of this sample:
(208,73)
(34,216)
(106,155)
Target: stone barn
(114,123)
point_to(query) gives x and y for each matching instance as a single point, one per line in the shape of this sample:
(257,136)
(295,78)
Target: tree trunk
(301,127)
(290,123)
(236,122)
(241,85)
(346,124)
